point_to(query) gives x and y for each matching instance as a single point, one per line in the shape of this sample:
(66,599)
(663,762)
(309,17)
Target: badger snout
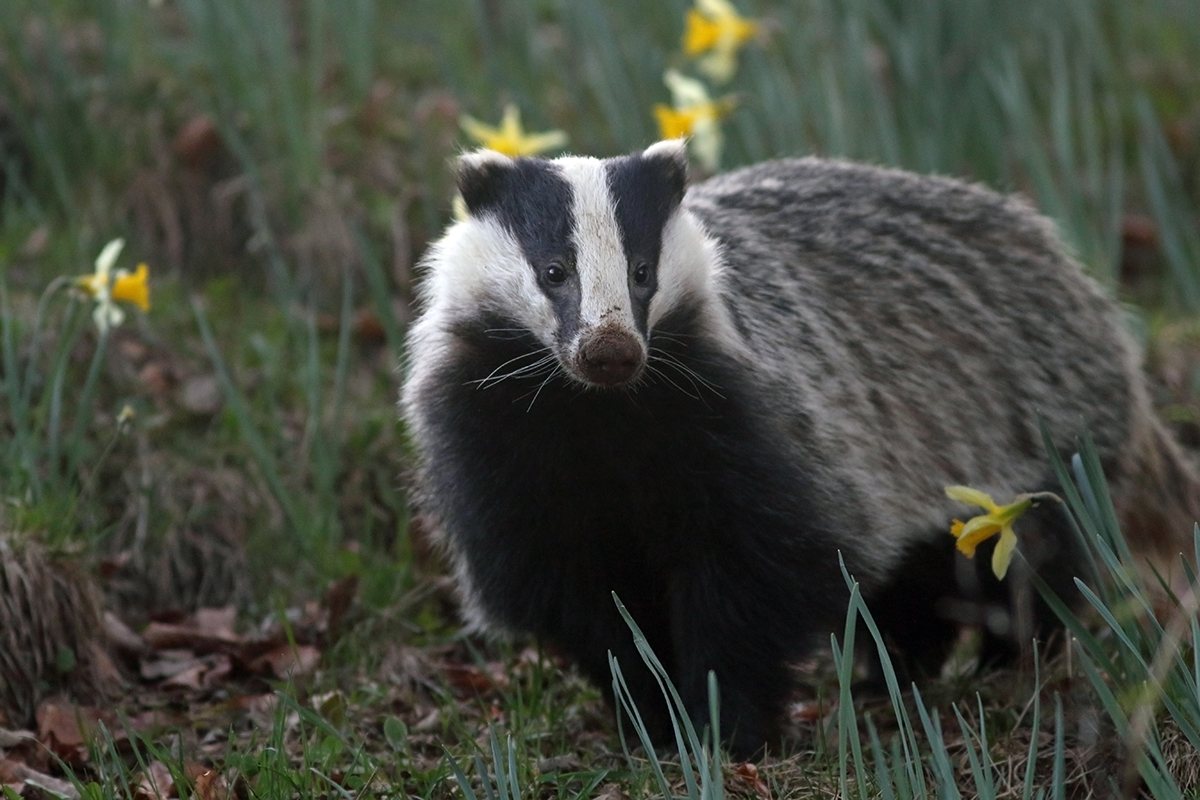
(610,356)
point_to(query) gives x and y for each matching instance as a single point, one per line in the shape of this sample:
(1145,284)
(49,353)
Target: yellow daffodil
(109,287)
(509,138)
(693,113)
(715,27)
(999,519)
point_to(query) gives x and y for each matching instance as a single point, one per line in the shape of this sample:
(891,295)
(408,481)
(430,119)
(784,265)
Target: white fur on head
(600,256)
(479,265)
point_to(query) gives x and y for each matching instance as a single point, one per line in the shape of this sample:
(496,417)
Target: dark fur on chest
(677,494)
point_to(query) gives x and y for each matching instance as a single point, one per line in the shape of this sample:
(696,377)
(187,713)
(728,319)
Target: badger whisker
(692,375)
(651,369)
(491,379)
(539,390)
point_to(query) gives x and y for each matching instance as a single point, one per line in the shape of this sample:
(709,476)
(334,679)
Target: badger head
(585,255)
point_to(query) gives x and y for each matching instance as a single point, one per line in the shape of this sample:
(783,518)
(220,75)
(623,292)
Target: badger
(706,400)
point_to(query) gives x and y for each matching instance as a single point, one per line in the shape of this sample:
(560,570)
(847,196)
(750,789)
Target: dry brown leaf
(66,729)
(807,711)
(612,791)
(53,786)
(473,678)
(210,630)
(748,773)
(210,785)
(170,662)
(287,662)
(8,771)
(220,667)
(122,637)
(192,678)
(10,739)
(156,783)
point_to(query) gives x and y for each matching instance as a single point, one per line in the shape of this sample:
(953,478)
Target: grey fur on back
(921,324)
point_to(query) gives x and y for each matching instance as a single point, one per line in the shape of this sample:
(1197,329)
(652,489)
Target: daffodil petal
(1002,555)
(700,34)
(476,129)
(541,142)
(720,65)
(108,256)
(107,314)
(983,526)
(93,284)
(974,532)
(685,92)
(974,497)
(673,124)
(706,142)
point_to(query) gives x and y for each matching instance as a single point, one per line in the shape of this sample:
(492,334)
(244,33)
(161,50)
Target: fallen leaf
(169,663)
(220,667)
(53,786)
(612,791)
(473,678)
(156,783)
(10,739)
(210,785)
(748,772)
(66,729)
(192,678)
(807,711)
(209,631)
(126,642)
(287,662)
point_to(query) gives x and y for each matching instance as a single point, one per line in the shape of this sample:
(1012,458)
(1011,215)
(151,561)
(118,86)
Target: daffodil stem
(59,373)
(35,338)
(83,414)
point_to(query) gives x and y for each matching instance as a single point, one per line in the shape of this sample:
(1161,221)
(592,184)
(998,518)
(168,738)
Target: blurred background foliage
(282,166)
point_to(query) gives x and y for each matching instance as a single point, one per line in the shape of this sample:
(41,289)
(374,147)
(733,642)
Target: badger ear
(481,176)
(669,159)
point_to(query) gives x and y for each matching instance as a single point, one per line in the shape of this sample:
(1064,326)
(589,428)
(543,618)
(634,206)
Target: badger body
(702,399)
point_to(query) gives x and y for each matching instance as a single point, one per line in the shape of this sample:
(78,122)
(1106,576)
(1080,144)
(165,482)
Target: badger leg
(937,589)
(915,615)
(745,618)
(588,628)
(1013,611)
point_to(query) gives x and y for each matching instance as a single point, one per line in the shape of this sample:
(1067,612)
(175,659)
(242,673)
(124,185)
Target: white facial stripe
(478,264)
(604,287)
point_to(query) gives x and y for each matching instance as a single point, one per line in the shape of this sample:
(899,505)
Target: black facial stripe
(534,202)
(644,192)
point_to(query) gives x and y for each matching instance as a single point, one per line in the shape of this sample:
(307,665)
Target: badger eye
(555,274)
(641,273)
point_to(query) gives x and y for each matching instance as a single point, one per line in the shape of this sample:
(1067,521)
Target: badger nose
(610,357)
